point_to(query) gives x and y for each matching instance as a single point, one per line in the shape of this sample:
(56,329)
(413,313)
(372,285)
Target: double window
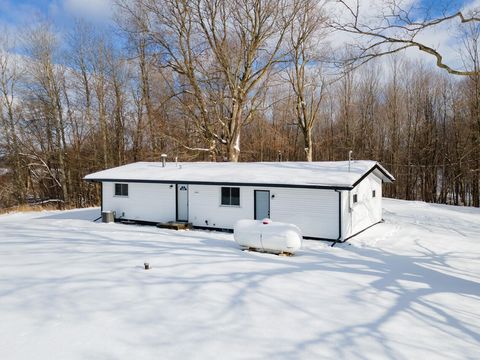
(121,189)
(231,196)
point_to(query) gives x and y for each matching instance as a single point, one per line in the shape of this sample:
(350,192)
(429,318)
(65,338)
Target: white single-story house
(327,200)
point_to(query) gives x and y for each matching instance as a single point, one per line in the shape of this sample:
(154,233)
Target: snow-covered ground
(405,289)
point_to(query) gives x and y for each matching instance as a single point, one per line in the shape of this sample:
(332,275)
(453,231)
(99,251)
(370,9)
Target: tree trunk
(307,133)
(233,150)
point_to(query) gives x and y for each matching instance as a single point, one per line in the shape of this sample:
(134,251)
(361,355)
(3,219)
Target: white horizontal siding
(145,202)
(205,207)
(368,210)
(315,211)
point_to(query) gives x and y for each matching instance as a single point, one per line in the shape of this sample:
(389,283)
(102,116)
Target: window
(231,196)
(373,193)
(121,189)
(355,198)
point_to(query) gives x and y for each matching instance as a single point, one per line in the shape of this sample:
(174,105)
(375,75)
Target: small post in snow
(147,266)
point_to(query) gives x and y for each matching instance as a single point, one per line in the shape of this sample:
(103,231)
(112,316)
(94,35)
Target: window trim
(121,188)
(230,196)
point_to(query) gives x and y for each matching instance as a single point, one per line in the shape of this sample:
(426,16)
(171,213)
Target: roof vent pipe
(164,159)
(349,159)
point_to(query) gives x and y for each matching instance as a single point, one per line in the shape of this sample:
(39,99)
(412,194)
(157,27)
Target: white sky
(89,8)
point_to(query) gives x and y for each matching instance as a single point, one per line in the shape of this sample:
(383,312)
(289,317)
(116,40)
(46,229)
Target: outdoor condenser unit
(108,216)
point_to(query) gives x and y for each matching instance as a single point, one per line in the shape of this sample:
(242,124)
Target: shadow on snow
(186,258)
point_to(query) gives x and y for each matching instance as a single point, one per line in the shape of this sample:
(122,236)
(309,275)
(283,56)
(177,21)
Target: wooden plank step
(175,225)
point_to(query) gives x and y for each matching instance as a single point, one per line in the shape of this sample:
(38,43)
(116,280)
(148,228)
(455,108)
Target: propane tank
(268,236)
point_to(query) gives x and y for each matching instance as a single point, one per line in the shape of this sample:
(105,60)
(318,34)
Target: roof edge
(378,167)
(299,186)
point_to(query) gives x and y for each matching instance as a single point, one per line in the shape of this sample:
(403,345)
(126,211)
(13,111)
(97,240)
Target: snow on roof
(314,174)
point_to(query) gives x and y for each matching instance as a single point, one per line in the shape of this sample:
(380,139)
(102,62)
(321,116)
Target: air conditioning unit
(108,216)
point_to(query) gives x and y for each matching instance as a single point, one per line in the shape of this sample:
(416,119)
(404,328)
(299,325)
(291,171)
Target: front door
(182,202)
(262,204)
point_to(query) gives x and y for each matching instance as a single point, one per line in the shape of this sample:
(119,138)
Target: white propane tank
(266,235)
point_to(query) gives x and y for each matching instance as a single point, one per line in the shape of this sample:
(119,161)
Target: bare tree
(305,75)
(80,56)
(222,51)
(10,76)
(140,49)
(472,59)
(45,85)
(198,77)
(397,28)
(100,83)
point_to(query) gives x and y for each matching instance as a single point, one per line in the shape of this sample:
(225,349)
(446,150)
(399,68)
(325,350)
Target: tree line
(236,80)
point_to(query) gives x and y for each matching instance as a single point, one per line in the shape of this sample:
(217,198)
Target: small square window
(230,196)
(121,189)
(373,193)
(355,198)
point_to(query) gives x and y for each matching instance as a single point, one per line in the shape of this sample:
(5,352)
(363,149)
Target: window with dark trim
(355,198)
(121,189)
(373,193)
(230,196)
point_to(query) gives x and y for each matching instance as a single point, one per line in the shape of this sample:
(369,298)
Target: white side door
(262,204)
